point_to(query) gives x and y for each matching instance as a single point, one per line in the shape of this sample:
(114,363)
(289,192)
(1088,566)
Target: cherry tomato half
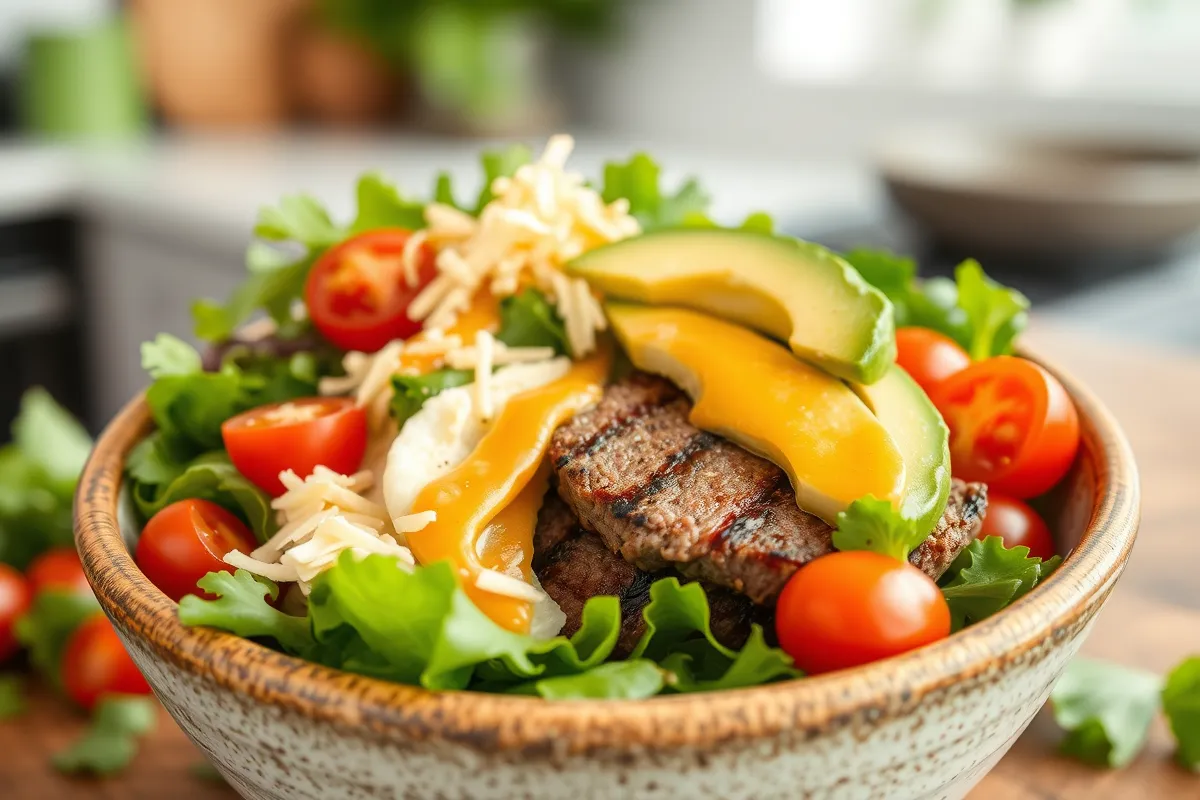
(1018,525)
(358,295)
(15,598)
(1012,425)
(928,356)
(855,607)
(95,664)
(58,569)
(297,435)
(186,541)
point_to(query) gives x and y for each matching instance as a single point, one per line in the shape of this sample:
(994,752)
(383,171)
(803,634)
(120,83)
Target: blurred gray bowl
(1042,196)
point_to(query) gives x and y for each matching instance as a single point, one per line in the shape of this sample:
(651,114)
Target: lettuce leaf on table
(443,641)
(38,473)
(1106,710)
(1181,704)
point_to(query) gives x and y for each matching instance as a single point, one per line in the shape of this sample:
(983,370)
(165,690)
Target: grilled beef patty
(663,493)
(574,565)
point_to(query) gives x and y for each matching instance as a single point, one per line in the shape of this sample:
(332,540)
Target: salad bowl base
(928,724)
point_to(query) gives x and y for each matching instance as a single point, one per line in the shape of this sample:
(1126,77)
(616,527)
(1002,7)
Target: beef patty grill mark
(664,494)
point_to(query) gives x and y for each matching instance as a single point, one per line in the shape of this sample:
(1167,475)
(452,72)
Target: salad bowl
(928,724)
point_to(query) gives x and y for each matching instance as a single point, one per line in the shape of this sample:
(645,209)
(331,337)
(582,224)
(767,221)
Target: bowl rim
(887,688)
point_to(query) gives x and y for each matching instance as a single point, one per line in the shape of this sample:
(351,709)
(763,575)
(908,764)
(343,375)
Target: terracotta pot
(336,80)
(928,724)
(218,63)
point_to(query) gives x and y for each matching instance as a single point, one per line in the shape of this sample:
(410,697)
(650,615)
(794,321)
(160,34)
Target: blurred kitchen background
(1056,140)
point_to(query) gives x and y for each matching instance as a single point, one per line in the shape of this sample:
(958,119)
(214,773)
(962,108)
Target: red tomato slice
(58,569)
(15,598)
(1012,425)
(186,541)
(851,608)
(95,664)
(1018,525)
(928,356)
(357,293)
(297,435)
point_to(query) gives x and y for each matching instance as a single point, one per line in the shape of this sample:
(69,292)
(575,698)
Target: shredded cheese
(321,517)
(539,219)
(483,375)
(369,377)
(489,580)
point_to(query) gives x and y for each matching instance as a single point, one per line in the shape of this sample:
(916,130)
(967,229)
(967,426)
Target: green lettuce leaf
(38,473)
(46,627)
(298,218)
(1181,704)
(110,743)
(411,391)
(995,314)
(981,315)
(12,696)
(209,476)
(443,641)
(1105,709)
(987,577)
(241,607)
(274,283)
(637,181)
(500,164)
(380,205)
(876,525)
(528,320)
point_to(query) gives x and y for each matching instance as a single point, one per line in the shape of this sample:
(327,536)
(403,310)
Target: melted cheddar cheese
(490,485)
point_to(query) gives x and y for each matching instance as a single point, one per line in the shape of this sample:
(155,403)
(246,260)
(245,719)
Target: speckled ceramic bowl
(929,724)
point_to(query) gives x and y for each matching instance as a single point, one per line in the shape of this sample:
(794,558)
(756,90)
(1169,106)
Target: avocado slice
(791,290)
(923,438)
(753,391)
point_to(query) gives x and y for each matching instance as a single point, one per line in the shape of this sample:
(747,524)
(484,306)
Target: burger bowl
(928,724)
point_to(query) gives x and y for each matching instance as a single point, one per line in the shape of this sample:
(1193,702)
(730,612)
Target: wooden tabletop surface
(1152,620)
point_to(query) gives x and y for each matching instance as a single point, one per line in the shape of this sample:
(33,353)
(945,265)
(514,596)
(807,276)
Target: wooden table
(1152,620)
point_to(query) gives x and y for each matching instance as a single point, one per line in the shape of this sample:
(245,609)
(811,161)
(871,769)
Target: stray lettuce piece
(298,218)
(987,576)
(50,437)
(1181,704)
(241,607)
(500,164)
(637,180)
(38,473)
(995,313)
(380,205)
(210,476)
(634,679)
(110,743)
(411,391)
(1105,709)
(528,320)
(678,632)
(12,696)
(170,355)
(875,525)
(46,627)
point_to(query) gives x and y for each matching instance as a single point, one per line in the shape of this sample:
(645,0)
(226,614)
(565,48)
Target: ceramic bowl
(928,724)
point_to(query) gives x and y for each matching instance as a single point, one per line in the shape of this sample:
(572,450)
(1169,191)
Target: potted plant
(480,66)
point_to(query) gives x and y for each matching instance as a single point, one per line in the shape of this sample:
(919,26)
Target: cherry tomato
(297,435)
(1018,525)
(15,598)
(928,356)
(58,569)
(95,664)
(186,541)
(1012,425)
(357,293)
(855,607)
